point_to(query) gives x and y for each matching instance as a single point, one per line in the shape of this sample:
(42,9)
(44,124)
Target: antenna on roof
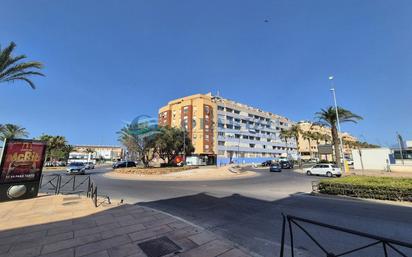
(218,94)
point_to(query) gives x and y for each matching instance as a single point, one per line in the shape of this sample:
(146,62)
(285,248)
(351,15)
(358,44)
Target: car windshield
(334,166)
(76,164)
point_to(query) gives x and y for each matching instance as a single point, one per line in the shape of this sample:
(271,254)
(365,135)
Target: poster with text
(22,160)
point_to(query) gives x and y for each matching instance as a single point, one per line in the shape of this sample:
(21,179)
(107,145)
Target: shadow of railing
(388,246)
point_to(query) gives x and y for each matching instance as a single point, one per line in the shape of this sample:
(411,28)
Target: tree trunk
(335,139)
(310,149)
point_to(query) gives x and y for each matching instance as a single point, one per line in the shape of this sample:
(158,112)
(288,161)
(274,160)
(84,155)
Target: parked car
(275,167)
(76,168)
(123,164)
(89,165)
(266,163)
(286,164)
(328,170)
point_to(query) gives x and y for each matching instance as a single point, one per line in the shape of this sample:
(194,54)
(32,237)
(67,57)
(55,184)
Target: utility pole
(338,123)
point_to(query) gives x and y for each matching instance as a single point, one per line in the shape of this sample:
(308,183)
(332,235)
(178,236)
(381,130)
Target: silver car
(89,165)
(76,168)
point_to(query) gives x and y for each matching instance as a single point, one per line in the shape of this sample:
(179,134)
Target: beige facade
(308,148)
(197,115)
(229,131)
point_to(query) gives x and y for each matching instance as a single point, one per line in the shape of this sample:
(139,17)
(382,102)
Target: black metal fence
(72,184)
(388,247)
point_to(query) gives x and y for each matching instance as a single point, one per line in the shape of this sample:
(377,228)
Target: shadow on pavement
(257,224)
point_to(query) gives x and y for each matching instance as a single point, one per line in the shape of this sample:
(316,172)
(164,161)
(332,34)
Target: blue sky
(109,61)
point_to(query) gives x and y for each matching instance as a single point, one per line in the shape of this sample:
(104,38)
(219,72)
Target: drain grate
(159,247)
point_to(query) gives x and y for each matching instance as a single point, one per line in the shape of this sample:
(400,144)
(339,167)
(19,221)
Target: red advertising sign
(22,160)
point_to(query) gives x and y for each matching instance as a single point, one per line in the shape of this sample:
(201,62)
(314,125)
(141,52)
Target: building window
(221,143)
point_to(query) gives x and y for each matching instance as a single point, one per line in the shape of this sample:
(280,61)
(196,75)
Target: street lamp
(338,122)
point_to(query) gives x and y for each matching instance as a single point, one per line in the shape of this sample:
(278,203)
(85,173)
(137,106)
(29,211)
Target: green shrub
(385,188)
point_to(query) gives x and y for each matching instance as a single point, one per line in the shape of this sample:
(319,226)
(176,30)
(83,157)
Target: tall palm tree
(327,117)
(308,135)
(9,131)
(12,69)
(285,135)
(316,136)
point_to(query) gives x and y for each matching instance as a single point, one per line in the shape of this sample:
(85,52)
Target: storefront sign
(20,168)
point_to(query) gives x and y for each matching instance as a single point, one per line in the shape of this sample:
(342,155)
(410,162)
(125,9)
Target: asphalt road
(249,211)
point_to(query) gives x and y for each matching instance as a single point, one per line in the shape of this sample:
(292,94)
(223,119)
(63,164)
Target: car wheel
(329,174)
(308,173)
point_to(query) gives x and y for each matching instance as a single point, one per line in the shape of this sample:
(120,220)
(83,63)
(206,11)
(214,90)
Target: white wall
(372,158)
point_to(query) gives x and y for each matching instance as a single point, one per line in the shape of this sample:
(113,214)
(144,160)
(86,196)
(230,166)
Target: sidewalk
(70,226)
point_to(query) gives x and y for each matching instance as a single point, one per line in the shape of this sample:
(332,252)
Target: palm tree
(308,135)
(328,118)
(317,137)
(9,131)
(285,135)
(11,69)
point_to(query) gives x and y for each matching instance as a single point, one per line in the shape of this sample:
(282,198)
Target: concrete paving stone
(125,220)
(143,219)
(10,232)
(101,245)
(4,248)
(148,233)
(98,254)
(158,222)
(35,236)
(184,232)
(178,224)
(57,246)
(234,253)
(203,237)
(185,244)
(122,230)
(124,250)
(62,253)
(105,219)
(25,252)
(98,229)
(47,226)
(74,227)
(58,237)
(211,249)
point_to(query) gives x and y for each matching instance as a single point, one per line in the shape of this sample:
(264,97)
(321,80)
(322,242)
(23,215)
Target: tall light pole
(338,122)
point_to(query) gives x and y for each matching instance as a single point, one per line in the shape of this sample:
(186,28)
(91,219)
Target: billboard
(325,149)
(20,168)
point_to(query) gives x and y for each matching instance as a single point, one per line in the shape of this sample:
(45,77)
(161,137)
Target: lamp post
(338,122)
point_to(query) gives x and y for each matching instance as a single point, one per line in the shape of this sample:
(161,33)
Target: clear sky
(109,61)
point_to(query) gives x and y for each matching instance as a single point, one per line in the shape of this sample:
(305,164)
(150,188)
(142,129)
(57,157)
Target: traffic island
(369,187)
(154,170)
(189,174)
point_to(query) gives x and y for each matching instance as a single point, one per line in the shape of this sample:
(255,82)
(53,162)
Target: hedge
(384,188)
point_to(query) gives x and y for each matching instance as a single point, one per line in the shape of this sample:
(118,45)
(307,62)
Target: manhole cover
(159,247)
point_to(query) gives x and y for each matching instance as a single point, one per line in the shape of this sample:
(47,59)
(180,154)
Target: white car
(325,169)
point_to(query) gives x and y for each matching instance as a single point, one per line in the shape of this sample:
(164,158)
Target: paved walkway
(69,226)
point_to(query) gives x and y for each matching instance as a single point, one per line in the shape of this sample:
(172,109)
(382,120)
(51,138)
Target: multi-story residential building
(308,148)
(223,131)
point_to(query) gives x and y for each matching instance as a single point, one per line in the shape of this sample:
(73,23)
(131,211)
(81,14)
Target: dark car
(266,163)
(275,168)
(286,164)
(123,164)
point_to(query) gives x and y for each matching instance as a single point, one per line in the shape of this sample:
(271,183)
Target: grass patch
(384,188)
(154,171)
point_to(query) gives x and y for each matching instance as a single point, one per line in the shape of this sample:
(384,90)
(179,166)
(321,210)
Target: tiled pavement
(69,226)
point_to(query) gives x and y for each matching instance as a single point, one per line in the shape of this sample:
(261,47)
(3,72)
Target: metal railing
(56,184)
(386,243)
